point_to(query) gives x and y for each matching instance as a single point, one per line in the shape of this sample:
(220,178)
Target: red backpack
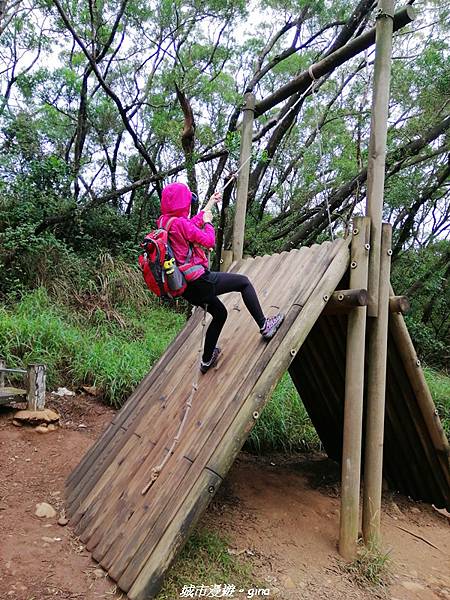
(160,270)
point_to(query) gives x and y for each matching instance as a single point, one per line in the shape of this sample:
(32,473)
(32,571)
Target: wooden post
(399,304)
(377,144)
(243,177)
(226,260)
(354,391)
(2,375)
(344,301)
(376,396)
(36,387)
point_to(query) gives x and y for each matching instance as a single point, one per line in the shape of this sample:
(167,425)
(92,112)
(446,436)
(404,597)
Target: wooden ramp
(135,537)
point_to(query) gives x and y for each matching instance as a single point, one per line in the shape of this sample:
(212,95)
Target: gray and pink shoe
(271,326)
(205,366)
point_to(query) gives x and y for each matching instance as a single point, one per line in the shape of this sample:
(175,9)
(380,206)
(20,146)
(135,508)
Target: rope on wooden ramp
(157,470)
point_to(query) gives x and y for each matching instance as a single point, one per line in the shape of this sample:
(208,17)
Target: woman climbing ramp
(188,238)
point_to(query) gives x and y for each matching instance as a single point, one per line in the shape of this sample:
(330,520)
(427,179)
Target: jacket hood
(176,200)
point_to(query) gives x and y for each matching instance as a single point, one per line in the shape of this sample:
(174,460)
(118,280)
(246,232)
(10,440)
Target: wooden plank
(150,578)
(99,448)
(112,489)
(104,452)
(9,392)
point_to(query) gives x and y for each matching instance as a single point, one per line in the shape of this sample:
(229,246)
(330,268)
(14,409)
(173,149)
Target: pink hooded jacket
(176,202)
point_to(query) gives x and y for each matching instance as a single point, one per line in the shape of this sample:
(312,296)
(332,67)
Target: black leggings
(205,291)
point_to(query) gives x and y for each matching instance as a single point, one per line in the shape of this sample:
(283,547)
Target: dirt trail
(281,514)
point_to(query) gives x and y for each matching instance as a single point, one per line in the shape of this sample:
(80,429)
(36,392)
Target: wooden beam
(399,304)
(354,392)
(343,301)
(300,83)
(36,387)
(376,399)
(243,177)
(377,144)
(2,375)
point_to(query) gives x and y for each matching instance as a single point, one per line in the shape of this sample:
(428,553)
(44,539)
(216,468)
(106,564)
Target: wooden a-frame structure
(348,351)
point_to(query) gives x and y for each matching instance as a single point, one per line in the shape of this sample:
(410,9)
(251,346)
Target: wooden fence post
(2,375)
(243,177)
(354,393)
(36,387)
(376,396)
(377,144)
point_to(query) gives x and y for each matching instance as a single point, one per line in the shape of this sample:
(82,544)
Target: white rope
(157,470)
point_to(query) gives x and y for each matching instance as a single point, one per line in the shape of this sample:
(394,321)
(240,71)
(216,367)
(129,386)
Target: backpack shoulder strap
(169,223)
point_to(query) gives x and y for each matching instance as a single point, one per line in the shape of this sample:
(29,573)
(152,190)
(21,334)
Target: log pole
(352,48)
(399,304)
(243,177)
(354,391)
(377,143)
(36,387)
(376,396)
(2,375)
(343,301)
(226,260)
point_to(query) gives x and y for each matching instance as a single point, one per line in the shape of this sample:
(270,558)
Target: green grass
(284,423)
(439,385)
(370,568)
(79,350)
(114,347)
(205,560)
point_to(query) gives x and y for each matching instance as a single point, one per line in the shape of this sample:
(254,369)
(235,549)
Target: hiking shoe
(204,366)
(271,325)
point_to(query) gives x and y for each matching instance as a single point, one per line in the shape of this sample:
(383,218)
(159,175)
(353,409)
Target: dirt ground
(280,514)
